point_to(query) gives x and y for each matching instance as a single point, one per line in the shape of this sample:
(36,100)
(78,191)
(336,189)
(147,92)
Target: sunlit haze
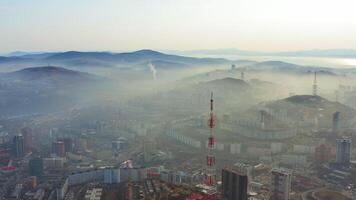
(178,99)
(117,25)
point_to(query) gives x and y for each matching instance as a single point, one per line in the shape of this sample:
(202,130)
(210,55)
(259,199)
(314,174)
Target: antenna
(210,178)
(315,86)
(242,74)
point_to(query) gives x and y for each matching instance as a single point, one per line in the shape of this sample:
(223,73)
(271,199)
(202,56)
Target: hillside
(308,107)
(45,89)
(108,59)
(292,69)
(226,83)
(48,74)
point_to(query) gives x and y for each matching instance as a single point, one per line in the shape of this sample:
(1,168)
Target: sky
(123,25)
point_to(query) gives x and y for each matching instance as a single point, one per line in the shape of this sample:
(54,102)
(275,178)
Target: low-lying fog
(155,84)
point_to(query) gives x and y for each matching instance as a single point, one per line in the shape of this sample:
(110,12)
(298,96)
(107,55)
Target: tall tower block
(315,86)
(210,178)
(335,122)
(344,151)
(280,184)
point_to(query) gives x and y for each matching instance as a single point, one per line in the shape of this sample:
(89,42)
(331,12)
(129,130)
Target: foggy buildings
(343,151)
(58,148)
(53,163)
(234,185)
(322,153)
(68,143)
(18,146)
(336,119)
(120,144)
(27,135)
(99,127)
(280,184)
(35,166)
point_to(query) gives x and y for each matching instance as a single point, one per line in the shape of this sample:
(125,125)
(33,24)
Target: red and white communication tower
(210,178)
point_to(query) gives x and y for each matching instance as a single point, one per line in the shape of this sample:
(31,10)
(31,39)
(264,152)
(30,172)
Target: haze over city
(177,100)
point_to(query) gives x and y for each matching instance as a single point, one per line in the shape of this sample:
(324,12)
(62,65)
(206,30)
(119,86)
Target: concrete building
(93,194)
(86,177)
(111,176)
(280,184)
(35,166)
(234,185)
(243,168)
(62,189)
(184,139)
(336,123)
(58,148)
(322,153)
(81,144)
(120,144)
(18,146)
(27,134)
(343,151)
(175,177)
(53,163)
(292,159)
(68,143)
(108,175)
(99,127)
(258,151)
(4,135)
(303,149)
(133,174)
(16,194)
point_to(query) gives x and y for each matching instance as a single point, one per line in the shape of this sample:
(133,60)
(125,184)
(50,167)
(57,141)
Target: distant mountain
(26,54)
(45,89)
(143,58)
(163,64)
(4,59)
(76,55)
(137,58)
(284,67)
(49,74)
(343,53)
(37,55)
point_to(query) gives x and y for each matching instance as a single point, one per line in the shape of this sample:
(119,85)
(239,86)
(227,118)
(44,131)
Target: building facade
(18,146)
(280,184)
(234,185)
(343,151)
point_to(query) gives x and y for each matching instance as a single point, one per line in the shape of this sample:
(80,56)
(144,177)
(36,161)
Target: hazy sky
(267,25)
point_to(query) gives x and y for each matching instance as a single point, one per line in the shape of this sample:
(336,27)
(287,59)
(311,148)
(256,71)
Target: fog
(267,113)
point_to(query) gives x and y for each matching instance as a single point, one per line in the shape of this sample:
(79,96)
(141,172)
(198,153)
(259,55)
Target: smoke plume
(153,70)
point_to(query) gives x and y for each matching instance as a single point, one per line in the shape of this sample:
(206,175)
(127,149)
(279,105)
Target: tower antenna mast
(210,178)
(315,86)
